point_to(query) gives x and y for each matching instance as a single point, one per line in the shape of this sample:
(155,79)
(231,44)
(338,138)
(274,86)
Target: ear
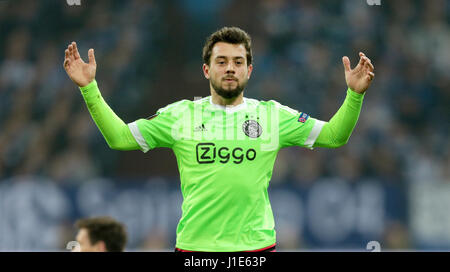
(250,69)
(206,70)
(101,246)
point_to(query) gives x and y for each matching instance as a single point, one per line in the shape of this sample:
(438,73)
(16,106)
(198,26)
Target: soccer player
(225,144)
(101,234)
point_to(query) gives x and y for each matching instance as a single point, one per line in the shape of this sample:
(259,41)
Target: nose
(230,67)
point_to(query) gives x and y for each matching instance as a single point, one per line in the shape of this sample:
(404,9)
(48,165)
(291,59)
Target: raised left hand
(359,78)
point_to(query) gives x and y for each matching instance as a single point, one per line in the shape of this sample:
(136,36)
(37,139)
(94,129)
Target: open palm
(80,72)
(359,78)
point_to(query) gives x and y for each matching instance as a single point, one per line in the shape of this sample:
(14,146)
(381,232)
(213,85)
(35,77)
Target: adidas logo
(200,128)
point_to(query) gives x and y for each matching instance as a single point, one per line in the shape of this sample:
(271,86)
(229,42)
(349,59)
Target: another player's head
(101,234)
(227,61)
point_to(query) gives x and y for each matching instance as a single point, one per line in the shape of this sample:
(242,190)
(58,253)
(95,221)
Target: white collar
(230,109)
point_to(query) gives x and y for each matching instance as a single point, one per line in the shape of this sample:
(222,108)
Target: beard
(228,92)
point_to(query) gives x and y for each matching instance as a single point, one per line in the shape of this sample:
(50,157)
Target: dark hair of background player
(105,229)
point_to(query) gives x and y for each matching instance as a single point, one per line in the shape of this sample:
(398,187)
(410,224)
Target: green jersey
(225,157)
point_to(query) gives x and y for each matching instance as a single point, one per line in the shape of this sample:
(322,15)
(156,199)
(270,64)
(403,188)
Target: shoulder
(182,106)
(176,106)
(259,103)
(272,103)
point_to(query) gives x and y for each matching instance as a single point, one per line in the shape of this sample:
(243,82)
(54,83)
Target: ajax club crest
(252,129)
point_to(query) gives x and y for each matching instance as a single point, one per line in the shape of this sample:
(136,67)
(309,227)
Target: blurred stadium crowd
(149,55)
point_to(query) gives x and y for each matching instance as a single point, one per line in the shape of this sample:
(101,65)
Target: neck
(219,100)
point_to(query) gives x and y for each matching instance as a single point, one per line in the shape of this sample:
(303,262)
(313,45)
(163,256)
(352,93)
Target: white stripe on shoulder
(314,133)
(138,136)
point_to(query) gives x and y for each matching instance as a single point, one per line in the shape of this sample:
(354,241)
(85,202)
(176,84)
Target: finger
(360,64)
(66,63)
(359,67)
(361,54)
(370,76)
(70,47)
(369,64)
(66,58)
(75,50)
(91,57)
(346,62)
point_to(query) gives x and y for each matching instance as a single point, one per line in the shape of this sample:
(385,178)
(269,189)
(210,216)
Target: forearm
(337,131)
(114,130)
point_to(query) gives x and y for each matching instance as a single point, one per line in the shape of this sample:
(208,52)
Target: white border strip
(314,133)
(138,136)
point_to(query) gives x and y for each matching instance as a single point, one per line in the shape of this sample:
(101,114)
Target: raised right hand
(359,78)
(79,72)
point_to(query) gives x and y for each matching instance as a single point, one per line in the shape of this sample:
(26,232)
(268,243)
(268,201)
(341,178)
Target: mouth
(230,79)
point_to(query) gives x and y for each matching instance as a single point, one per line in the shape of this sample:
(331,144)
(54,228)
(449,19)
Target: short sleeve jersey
(225,157)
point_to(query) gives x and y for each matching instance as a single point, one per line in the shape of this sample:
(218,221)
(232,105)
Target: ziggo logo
(207,153)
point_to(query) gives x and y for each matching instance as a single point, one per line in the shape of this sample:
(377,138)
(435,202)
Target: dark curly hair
(233,35)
